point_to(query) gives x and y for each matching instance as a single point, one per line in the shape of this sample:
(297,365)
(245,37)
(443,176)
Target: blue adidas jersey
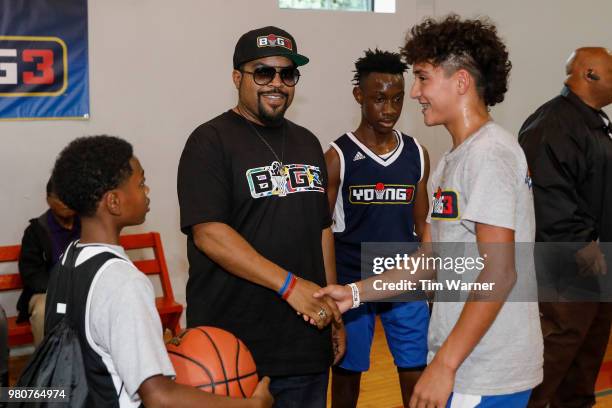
(375,198)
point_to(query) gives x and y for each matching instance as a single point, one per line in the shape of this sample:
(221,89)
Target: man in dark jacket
(568,144)
(43,242)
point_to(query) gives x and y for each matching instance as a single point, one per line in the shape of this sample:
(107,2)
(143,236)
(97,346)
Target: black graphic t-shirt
(228,174)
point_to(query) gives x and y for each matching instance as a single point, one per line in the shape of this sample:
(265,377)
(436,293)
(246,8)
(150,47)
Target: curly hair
(455,44)
(89,167)
(378,61)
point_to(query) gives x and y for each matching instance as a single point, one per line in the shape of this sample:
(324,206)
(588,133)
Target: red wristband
(290,288)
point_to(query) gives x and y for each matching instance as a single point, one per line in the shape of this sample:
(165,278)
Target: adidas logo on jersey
(358,156)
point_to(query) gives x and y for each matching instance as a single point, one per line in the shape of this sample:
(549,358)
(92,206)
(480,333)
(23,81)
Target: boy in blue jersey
(377,192)
(481,353)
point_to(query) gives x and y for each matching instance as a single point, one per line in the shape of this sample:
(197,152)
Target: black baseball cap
(266,42)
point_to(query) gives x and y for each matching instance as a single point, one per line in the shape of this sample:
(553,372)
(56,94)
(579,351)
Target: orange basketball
(213,360)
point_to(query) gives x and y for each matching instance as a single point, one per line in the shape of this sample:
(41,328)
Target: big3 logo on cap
(272,40)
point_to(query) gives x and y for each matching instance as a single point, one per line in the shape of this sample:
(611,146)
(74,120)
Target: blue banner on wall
(43,59)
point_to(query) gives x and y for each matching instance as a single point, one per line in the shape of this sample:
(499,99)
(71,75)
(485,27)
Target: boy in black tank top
(377,192)
(125,358)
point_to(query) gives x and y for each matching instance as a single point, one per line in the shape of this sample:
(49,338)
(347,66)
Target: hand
(591,261)
(342,295)
(261,396)
(434,386)
(168,336)
(337,316)
(318,311)
(338,341)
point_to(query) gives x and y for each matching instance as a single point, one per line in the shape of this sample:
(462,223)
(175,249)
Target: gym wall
(159,68)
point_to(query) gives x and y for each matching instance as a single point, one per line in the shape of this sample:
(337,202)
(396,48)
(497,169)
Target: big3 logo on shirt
(445,205)
(283,179)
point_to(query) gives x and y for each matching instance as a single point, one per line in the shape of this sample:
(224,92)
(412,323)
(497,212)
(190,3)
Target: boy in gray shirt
(125,361)
(487,174)
(480,353)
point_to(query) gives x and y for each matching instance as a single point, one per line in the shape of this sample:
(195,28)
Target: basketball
(213,360)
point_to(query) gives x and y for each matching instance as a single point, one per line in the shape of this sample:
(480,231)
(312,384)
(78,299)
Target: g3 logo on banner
(33,66)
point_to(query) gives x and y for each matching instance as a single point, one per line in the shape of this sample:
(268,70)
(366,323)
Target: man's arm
(342,294)
(558,167)
(332,162)
(421,203)
(436,384)
(162,392)
(225,246)
(329,255)
(329,259)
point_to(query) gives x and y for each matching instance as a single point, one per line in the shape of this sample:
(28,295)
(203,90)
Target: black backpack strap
(93,265)
(70,284)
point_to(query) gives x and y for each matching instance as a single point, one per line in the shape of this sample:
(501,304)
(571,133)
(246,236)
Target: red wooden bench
(169,310)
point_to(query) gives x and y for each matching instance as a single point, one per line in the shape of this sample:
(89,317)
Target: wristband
(355,295)
(292,284)
(283,288)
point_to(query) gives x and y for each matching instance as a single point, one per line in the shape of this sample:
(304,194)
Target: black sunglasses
(264,75)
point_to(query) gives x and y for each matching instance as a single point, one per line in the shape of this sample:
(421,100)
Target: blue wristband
(282,290)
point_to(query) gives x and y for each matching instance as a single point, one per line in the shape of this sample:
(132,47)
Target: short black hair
(378,61)
(456,44)
(89,167)
(50,187)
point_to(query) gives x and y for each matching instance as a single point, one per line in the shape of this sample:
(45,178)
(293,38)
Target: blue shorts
(405,325)
(516,400)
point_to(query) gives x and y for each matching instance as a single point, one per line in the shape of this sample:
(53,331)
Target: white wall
(160,68)
(540,36)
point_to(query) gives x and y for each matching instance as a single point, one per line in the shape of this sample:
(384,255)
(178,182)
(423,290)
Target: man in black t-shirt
(252,193)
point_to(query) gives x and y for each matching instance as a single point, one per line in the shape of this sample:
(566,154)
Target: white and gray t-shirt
(485,180)
(122,324)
